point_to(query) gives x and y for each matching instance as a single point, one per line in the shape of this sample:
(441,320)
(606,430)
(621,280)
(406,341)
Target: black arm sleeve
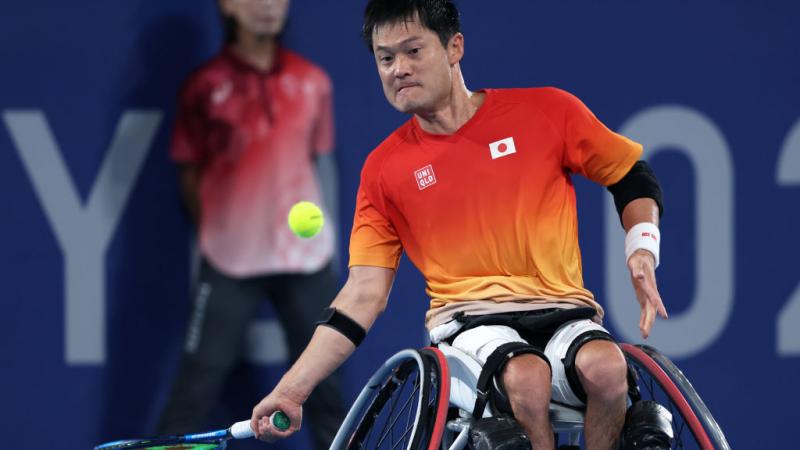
(639,182)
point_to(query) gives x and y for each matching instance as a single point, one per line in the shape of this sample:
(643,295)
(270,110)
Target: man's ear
(455,48)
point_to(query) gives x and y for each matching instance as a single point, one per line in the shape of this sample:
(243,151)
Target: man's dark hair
(439,16)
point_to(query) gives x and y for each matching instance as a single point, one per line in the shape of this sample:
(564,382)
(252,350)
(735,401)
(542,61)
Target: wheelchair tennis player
(476,189)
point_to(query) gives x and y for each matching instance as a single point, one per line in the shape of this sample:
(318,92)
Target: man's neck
(458,108)
(257,50)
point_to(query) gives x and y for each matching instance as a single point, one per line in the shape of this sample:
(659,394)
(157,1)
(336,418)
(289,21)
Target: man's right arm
(363,298)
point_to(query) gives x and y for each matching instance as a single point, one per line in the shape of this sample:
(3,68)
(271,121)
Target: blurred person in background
(253,135)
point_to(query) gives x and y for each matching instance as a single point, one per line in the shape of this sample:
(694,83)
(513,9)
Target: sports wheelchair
(422,400)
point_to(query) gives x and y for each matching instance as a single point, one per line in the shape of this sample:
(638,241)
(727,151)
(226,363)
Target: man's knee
(526,381)
(602,370)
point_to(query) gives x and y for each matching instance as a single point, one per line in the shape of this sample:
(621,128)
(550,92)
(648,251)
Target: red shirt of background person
(249,137)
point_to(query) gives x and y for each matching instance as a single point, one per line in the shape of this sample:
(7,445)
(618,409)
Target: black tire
(659,380)
(438,399)
(703,413)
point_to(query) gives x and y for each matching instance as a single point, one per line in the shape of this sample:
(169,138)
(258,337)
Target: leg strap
(494,366)
(572,353)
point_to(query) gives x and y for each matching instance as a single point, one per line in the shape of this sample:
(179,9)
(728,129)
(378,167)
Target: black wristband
(343,324)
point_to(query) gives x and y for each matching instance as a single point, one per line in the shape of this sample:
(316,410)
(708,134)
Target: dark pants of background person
(222,310)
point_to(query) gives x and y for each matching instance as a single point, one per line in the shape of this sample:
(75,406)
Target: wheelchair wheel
(401,405)
(657,378)
(440,392)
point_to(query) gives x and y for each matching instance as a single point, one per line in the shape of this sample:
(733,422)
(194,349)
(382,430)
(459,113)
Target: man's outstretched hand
(643,276)
(275,401)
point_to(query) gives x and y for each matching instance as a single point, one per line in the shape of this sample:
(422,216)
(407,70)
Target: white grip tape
(241,430)
(643,236)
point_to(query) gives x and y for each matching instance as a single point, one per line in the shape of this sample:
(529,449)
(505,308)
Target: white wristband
(644,236)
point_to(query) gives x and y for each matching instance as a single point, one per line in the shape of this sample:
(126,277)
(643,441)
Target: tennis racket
(211,440)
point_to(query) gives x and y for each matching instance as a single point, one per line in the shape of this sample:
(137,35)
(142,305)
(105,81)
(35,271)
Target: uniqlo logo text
(425,177)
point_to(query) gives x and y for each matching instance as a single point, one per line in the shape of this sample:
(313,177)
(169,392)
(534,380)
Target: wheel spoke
(408,430)
(409,414)
(656,385)
(380,435)
(398,415)
(390,426)
(389,388)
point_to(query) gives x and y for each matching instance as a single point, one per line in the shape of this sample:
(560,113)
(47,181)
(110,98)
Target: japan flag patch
(503,147)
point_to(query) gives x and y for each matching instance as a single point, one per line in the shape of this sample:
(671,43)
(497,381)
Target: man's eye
(385,59)
(414,51)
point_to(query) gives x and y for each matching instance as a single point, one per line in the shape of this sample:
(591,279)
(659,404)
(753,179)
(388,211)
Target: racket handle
(280,420)
(241,430)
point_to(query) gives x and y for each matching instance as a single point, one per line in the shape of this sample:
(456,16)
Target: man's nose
(402,66)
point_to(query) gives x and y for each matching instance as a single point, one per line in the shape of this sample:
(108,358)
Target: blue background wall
(90,79)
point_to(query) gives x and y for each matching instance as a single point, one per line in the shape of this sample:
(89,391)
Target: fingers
(642,270)
(261,412)
(662,310)
(266,430)
(647,319)
(261,422)
(269,433)
(644,295)
(652,304)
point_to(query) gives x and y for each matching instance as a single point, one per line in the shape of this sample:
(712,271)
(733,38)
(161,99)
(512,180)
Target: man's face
(414,67)
(258,17)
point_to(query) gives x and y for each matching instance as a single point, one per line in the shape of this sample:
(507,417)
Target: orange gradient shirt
(489,212)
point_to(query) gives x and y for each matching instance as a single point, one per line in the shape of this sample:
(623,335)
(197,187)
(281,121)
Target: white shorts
(481,341)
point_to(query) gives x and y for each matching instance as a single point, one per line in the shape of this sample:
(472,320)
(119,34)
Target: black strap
(572,352)
(494,364)
(639,182)
(332,318)
(551,321)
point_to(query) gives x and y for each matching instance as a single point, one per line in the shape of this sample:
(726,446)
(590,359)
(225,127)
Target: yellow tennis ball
(306,219)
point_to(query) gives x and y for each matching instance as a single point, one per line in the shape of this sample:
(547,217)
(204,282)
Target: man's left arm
(638,199)
(610,159)
(642,263)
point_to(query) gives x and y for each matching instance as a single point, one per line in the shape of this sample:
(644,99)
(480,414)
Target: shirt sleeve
(374,240)
(323,139)
(591,149)
(187,144)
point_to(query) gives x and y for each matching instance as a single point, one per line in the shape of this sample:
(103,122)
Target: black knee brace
(487,389)
(572,352)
